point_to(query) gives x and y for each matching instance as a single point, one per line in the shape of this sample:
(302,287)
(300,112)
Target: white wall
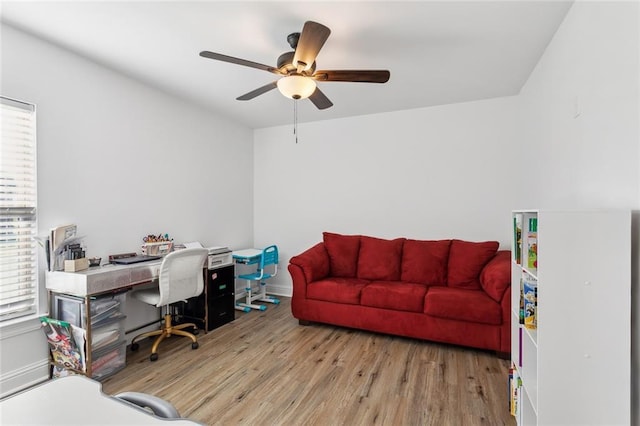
(582,127)
(123,160)
(430,173)
(451,171)
(580,111)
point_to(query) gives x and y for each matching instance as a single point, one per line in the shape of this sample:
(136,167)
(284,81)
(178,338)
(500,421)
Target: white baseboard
(279,290)
(275,290)
(25,356)
(25,377)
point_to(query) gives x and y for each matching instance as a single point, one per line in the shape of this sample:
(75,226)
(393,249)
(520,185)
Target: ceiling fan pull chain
(295,119)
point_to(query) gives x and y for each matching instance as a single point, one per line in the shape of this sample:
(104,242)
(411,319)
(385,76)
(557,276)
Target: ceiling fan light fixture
(296,86)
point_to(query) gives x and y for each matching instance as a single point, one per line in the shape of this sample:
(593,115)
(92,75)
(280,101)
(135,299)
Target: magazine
(67,355)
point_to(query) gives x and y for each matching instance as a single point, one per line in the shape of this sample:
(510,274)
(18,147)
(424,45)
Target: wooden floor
(265,369)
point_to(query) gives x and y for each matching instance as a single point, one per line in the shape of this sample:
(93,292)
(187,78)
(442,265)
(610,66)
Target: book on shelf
(514,391)
(517,237)
(510,388)
(532,244)
(519,346)
(530,303)
(521,310)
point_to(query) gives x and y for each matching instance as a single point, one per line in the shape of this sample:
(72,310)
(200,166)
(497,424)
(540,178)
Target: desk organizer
(76,265)
(157,249)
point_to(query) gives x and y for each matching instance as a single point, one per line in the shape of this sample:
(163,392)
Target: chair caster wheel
(153,357)
(134,347)
(195,345)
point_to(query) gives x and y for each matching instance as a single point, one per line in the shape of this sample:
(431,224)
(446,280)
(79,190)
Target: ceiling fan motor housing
(292,39)
(285,64)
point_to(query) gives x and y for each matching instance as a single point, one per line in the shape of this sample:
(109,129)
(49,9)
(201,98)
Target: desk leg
(88,346)
(263,295)
(249,298)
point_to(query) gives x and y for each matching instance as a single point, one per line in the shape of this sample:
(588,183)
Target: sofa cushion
(398,296)
(343,253)
(466,260)
(338,290)
(380,259)
(495,277)
(462,305)
(425,261)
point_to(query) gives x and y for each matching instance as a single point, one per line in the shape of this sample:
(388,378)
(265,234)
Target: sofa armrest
(313,262)
(495,277)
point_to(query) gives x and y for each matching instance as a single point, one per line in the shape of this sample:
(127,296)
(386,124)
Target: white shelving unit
(575,366)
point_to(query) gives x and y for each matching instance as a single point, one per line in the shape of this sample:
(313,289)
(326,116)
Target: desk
(75,400)
(247,256)
(254,256)
(102,279)
(86,286)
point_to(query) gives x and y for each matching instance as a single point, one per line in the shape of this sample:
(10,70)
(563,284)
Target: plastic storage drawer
(72,309)
(109,360)
(107,333)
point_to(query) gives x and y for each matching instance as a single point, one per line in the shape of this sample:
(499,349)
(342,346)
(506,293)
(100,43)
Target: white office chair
(181,277)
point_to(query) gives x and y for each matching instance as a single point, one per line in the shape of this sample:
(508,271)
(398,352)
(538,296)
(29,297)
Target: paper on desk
(194,244)
(60,237)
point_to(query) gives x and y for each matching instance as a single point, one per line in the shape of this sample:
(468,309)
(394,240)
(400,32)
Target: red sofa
(448,291)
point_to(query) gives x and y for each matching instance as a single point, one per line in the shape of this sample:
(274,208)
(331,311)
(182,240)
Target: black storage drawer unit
(221,310)
(221,281)
(216,305)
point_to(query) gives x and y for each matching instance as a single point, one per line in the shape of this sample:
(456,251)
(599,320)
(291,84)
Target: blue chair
(267,268)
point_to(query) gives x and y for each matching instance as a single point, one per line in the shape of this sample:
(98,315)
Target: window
(18,226)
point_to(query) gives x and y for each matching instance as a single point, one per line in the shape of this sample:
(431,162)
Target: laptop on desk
(134,259)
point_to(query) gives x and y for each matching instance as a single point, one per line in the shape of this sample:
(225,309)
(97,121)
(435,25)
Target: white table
(75,400)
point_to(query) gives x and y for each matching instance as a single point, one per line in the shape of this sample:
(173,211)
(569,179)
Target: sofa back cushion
(380,259)
(466,260)
(343,253)
(425,262)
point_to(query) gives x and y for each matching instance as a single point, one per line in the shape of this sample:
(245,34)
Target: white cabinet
(574,367)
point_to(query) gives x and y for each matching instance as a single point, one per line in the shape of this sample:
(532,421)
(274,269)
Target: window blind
(18,197)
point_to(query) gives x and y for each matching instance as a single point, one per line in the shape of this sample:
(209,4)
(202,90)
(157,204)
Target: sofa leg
(304,322)
(503,355)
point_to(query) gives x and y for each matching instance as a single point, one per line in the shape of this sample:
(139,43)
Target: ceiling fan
(298,68)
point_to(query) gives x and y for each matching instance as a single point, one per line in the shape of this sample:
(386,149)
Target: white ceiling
(437,52)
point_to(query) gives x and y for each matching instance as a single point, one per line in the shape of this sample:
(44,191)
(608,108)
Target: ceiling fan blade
(238,61)
(320,100)
(257,92)
(358,76)
(311,40)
